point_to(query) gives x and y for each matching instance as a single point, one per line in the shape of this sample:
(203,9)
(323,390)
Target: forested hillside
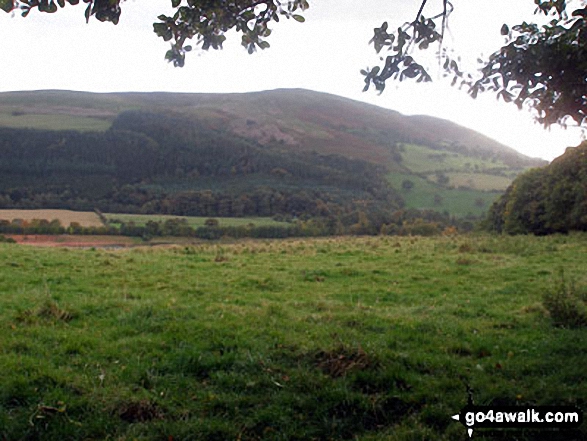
(286,152)
(546,200)
(156,163)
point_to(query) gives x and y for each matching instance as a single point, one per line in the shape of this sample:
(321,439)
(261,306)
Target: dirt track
(67,240)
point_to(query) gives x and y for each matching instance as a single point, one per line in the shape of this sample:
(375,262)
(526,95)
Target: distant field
(84,218)
(193,221)
(457,202)
(479,181)
(420,159)
(54,122)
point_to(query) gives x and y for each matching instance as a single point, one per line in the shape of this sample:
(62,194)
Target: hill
(292,141)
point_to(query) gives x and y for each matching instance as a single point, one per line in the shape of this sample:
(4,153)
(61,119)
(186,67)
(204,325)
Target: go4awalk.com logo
(529,417)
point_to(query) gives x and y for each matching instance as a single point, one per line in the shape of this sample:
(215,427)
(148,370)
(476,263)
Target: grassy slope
(458,202)
(356,338)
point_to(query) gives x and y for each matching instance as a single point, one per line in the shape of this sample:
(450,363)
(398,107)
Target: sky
(325,53)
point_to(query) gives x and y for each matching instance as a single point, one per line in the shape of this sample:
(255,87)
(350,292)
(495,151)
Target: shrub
(566,303)
(6,239)
(211,222)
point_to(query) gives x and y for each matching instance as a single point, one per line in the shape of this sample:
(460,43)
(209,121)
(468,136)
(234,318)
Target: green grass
(54,122)
(193,221)
(420,159)
(341,338)
(479,181)
(457,202)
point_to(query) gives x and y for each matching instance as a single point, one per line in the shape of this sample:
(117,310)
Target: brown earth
(67,240)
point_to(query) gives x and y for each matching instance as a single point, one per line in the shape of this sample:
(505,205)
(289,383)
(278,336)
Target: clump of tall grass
(567,303)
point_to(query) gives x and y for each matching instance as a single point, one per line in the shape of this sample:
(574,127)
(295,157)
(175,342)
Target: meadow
(192,221)
(457,202)
(362,338)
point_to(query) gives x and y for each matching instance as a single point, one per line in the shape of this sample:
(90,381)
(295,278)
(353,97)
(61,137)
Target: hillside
(449,168)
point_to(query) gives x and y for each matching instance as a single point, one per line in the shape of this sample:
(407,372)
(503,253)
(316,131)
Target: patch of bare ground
(66,240)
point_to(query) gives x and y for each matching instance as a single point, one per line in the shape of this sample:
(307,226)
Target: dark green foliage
(169,164)
(546,200)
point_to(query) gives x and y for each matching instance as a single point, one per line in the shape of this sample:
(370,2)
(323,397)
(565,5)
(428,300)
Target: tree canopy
(540,67)
(546,200)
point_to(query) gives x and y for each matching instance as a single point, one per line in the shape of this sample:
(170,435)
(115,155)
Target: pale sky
(326,53)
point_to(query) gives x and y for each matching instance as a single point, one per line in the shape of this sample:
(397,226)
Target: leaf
(298,18)
(175,3)
(505,30)
(7,5)
(264,45)
(61,3)
(88,13)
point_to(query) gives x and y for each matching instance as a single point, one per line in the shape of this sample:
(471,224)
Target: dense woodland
(546,200)
(166,164)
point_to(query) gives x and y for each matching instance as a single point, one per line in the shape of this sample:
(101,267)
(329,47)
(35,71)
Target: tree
(407,184)
(542,68)
(545,200)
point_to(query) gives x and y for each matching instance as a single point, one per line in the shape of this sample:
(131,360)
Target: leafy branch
(541,68)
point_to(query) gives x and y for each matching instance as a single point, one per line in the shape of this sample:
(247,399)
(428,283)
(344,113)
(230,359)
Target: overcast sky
(61,51)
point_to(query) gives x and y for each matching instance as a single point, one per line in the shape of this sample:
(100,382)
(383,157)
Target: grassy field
(421,159)
(54,122)
(339,338)
(457,202)
(193,221)
(84,218)
(478,181)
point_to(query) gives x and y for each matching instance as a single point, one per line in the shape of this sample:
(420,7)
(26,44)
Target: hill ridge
(269,136)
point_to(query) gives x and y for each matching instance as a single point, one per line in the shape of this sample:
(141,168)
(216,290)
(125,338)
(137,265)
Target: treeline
(169,164)
(401,222)
(546,200)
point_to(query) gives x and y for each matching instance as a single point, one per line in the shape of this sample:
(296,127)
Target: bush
(211,222)
(6,239)
(566,303)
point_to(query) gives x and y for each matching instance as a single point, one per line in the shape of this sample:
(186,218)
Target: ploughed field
(372,338)
(65,217)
